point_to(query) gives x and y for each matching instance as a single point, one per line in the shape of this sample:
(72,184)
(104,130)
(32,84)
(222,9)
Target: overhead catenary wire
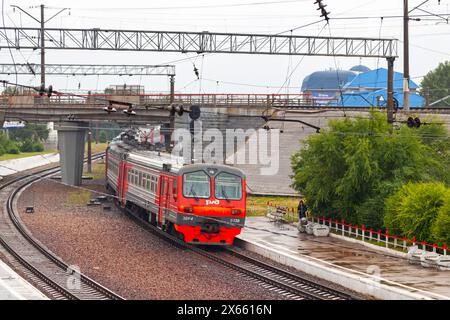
(264,86)
(298,64)
(192,7)
(9,46)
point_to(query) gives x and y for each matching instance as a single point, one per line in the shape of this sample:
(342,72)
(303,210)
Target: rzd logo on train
(217,202)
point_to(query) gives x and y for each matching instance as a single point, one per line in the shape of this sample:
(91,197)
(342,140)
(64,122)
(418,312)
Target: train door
(163,199)
(122,182)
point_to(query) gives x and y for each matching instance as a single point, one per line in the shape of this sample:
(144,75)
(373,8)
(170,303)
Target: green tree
(27,145)
(348,170)
(413,210)
(10,90)
(103,136)
(7,145)
(436,84)
(35,132)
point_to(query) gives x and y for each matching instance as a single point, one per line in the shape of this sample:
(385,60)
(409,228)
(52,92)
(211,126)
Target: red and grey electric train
(202,203)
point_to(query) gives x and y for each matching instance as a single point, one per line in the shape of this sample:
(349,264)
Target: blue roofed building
(326,84)
(359,68)
(362,88)
(368,89)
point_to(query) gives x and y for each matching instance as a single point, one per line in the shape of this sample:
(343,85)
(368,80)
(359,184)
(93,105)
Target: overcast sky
(430,40)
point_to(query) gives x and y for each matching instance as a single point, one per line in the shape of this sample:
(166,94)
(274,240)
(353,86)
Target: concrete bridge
(72,116)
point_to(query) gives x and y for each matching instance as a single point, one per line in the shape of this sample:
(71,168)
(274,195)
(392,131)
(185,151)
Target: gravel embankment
(115,251)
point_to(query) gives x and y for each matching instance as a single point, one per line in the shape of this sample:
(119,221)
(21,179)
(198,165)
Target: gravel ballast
(113,250)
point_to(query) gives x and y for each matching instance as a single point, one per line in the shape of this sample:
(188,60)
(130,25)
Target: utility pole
(168,136)
(42,22)
(42,48)
(405,56)
(390,90)
(172,89)
(89,151)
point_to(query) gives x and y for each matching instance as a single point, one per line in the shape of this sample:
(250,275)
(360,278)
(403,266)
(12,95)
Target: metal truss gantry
(198,42)
(89,70)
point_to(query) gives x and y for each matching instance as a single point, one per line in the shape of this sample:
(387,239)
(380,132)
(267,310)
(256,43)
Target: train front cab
(211,204)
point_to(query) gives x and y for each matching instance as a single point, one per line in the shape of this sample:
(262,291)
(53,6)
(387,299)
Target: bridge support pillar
(71,137)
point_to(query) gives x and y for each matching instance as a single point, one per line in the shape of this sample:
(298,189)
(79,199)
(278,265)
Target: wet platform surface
(346,254)
(14,287)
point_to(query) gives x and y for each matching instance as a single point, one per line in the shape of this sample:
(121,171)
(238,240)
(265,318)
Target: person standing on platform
(301,211)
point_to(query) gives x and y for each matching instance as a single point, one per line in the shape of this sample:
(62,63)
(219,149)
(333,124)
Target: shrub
(354,164)
(441,227)
(13,149)
(38,147)
(27,145)
(2,150)
(413,210)
(8,146)
(103,137)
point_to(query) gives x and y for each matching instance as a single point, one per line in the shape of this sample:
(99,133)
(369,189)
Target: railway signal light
(43,90)
(194,111)
(50,91)
(413,122)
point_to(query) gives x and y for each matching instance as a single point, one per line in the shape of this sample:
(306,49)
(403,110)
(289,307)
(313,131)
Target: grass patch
(78,197)
(25,155)
(96,147)
(257,205)
(98,171)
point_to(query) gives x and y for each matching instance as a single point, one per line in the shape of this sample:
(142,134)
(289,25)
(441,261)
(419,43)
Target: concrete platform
(362,269)
(14,287)
(12,166)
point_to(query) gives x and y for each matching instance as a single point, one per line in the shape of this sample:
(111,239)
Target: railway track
(287,284)
(31,258)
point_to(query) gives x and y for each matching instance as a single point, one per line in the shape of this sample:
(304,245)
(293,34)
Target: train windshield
(228,186)
(196,185)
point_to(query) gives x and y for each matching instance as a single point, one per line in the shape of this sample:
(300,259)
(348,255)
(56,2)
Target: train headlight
(235,211)
(188,209)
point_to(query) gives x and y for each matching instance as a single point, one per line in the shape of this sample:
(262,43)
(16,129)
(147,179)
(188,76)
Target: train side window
(140,179)
(147,182)
(144,181)
(152,184)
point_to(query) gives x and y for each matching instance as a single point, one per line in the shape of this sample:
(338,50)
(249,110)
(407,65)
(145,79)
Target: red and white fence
(367,234)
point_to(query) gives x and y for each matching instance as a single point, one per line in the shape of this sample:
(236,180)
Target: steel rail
(298,288)
(93,289)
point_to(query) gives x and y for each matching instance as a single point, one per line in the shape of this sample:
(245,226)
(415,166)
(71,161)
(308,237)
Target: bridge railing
(219,100)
